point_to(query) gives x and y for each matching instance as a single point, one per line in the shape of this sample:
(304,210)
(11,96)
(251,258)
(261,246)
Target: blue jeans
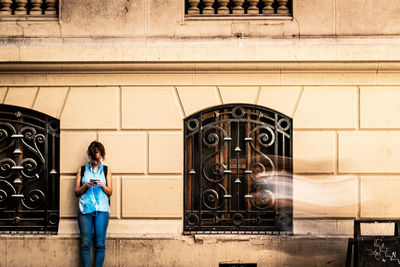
(99,222)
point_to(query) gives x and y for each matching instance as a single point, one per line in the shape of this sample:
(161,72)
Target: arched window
(29,170)
(238,171)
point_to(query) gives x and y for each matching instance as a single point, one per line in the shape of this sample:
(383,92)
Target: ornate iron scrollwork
(29,176)
(238,170)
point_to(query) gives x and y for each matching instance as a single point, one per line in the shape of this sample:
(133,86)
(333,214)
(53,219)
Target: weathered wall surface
(177,251)
(153,19)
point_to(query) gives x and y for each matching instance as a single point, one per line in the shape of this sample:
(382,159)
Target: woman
(93,187)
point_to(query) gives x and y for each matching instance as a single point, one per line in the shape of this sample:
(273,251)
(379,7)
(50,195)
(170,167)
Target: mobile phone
(94,181)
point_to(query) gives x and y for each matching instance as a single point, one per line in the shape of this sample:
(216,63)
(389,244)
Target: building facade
(128,72)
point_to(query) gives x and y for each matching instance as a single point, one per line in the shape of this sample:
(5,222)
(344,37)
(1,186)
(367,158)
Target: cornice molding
(199,67)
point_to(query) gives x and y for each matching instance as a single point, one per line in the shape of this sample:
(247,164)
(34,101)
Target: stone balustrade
(238,7)
(28,8)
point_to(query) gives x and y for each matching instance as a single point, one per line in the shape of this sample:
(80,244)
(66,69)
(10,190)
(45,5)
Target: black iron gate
(238,171)
(29,171)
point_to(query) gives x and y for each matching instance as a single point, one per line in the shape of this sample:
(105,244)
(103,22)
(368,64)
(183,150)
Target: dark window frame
(238,171)
(29,171)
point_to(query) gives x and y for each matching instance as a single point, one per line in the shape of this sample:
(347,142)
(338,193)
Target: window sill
(29,18)
(237,17)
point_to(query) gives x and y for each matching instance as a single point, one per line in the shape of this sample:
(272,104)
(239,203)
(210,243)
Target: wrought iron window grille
(29,171)
(238,171)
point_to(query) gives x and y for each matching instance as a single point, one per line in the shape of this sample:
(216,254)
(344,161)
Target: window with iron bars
(29,171)
(238,7)
(238,171)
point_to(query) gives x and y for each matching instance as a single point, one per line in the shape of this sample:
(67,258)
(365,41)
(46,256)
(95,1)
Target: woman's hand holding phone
(93,182)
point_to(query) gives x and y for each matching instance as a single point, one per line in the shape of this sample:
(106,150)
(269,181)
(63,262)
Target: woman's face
(95,162)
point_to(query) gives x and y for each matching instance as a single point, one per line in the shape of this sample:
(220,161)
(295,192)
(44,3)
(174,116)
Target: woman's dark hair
(94,148)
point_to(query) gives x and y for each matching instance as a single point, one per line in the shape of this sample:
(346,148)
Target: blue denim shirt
(94,199)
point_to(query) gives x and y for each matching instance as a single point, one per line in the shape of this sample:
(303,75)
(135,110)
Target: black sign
(374,251)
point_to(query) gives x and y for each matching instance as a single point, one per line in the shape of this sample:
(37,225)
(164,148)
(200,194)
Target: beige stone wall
(199,251)
(154,19)
(346,136)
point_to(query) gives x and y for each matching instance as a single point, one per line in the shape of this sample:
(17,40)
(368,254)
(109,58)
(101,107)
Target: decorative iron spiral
(40,138)
(192,220)
(211,139)
(264,199)
(217,172)
(5,168)
(52,219)
(3,135)
(237,219)
(265,139)
(30,168)
(29,134)
(6,132)
(238,112)
(192,125)
(34,199)
(284,124)
(6,191)
(283,220)
(211,199)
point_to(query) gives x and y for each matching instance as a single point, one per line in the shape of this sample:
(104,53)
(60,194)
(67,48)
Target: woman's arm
(107,188)
(81,189)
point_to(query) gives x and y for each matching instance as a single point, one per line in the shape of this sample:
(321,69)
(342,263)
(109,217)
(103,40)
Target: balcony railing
(238,7)
(28,8)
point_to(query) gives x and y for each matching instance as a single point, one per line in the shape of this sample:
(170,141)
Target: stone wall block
(145,226)
(125,152)
(73,150)
(356,17)
(380,107)
(50,100)
(314,152)
(41,252)
(327,107)
(21,96)
(150,108)
(369,152)
(163,19)
(68,201)
(331,227)
(197,98)
(91,108)
(283,99)
(152,197)
(165,152)
(325,196)
(3,91)
(239,94)
(111,18)
(115,203)
(379,196)
(308,18)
